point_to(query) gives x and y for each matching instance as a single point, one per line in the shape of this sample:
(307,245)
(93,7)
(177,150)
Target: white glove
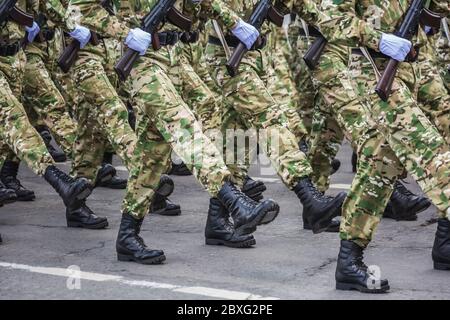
(428,29)
(246,33)
(395,47)
(32,31)
(82,34)
(138,40)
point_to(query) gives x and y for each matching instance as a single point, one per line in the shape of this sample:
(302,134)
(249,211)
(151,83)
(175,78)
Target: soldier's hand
(82,34)
(32,32)
(246,33)
(395,47)
(139,40)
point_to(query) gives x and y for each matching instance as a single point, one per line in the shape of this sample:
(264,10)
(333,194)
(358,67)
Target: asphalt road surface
(43,259)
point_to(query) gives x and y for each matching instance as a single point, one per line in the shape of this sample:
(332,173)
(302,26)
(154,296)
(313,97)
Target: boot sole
(441,266)
(170,213)
(239,245)
(127,258)
(306,227)
(264,218)
(114,187)
(26,198)
(412,217)
(351,286)
(7,201)
(101,225)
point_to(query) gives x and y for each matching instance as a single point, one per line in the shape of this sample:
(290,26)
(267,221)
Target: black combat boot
(332,227)
(6,195)
(131,247)
(107,175)
(220,231)
(70,190)
(57,155)
(253,188)
(318,209)
(8,176)
(335,165)
(161,204)
(405,205)
(353,274)
(354,162)
(247,214)
(180,170)
(79,215)
(441,247)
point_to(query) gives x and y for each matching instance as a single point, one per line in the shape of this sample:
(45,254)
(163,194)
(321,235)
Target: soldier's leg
(207,108)
(7,195)
(152,155)
(89,145)
(415,141)
(154,93)
(247,94)
(24,140)
(106,108)
(42,96)
(443,53)
(325,140)
(433,97)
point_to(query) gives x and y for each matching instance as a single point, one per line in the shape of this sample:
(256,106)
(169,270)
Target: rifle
(312,56)
(8,10)
(407,29)
(262,11)
(162,11)
(70,54)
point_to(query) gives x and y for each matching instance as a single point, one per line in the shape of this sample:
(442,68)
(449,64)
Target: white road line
(99,277)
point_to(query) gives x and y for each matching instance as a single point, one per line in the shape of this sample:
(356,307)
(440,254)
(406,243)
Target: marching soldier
(18,136)
(412,138)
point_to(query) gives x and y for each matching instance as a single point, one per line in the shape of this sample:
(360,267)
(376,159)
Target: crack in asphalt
(311,272)
(83,251)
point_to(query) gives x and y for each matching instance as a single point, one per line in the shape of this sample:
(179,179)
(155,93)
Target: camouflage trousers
(433,97)
(101,117)
(378,166)
(324,136)
(443,53)
(274,70)
(247,96)
(18,136)
(44,102)
(194,83)
(414,139)
(154,93)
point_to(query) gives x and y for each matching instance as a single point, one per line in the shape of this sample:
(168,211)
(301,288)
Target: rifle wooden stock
(125,64)
(406,30)
(430,18)
(176,18)
(384,85)
(235,59)
(22,18)
(312,56)
(70,54)
(275,17)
